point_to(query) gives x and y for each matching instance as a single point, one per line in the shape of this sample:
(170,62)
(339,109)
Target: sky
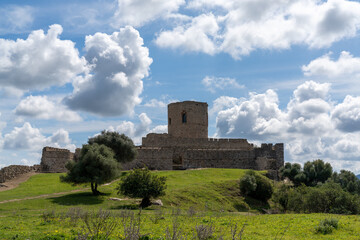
(270,70)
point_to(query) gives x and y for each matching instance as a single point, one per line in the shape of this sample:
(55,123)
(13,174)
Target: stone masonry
(54,159)
(12,171)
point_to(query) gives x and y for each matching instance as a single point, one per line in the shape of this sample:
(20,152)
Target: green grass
(213,193)
(43,183)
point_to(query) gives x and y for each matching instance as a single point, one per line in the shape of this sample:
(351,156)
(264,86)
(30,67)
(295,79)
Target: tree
(142,184)
(122,145)
(96,165)
(313,173)
(317,171)
(293,172)
(347,180)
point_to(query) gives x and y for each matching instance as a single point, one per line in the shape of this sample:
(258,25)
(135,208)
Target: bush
(326,226)
(141,183)
(325,198)
(256,186)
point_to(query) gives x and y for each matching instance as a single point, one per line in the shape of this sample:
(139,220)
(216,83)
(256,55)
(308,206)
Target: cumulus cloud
(240,27)
(40,61)
(15,18)
(347,114)
(138,130)
(119,63)
(212,83)
(199,35)
(41,107)
(311,126)
(30,138)
(346,65)
(136,13)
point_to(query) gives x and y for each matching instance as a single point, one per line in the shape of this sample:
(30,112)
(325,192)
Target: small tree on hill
(122,145)
(140,183)
(96,165)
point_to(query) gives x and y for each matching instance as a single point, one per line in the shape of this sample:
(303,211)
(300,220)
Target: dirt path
(24,178)
(13,183)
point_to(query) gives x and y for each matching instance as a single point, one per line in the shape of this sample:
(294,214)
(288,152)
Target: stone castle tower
(188,119)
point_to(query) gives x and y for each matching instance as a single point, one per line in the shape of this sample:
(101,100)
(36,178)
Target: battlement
(53,149)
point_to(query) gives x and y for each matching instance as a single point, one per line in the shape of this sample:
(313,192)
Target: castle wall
(188,119)
(165,140)
(12,171)
(54,159)
(152,158)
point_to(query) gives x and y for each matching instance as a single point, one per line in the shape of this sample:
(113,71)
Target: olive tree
(140,183)
(96,165)
(121,144)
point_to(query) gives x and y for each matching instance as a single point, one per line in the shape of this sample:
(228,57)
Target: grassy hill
(214,189)
(212,195)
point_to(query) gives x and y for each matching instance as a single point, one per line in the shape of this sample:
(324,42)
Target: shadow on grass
(84,198)
(257,204)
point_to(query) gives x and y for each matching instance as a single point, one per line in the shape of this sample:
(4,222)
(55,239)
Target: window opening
(184,117)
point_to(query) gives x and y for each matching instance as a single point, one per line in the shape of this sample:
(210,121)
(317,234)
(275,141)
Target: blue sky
(271,71)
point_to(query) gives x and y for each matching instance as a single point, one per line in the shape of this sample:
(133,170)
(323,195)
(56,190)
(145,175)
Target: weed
(48,216)
(99,225)
(131,225)
(158,215)
(203,232)
(175,233)
(327,225)
(234,231)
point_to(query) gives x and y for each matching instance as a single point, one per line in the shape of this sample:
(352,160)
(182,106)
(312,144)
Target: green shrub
(261,189)
(247,184)
(326,226)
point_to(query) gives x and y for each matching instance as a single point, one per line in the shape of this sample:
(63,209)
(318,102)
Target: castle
(186,146)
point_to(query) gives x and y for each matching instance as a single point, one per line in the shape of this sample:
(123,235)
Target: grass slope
(209,191)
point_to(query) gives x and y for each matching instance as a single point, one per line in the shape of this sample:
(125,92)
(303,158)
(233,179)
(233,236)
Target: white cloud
(311,126)
(240,27)
(15,18)
(160,103)
(138,130)
(255,118)
(119,63)
(40,61)
(346,65)
(197,36)
(212,83)
(155,103)
(347,114)
(41,107)
(139,12)
(29,138)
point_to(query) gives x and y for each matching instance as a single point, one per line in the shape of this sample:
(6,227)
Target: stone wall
(165,140)
(12,171)
(54,159)
(188,119)
(153,158)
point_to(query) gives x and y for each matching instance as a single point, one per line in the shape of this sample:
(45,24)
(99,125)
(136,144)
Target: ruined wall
(188,119)
(12,171)
(54,159)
